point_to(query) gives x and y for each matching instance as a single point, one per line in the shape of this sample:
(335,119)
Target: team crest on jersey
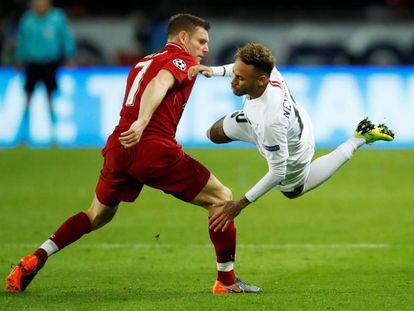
(180,64)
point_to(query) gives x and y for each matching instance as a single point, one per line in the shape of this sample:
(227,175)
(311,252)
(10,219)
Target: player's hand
(226,212)
(131,137)
(194,70)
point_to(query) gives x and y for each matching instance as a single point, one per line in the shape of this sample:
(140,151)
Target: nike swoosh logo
(234,289)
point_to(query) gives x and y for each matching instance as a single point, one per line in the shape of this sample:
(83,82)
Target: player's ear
(183,36)
(262,80)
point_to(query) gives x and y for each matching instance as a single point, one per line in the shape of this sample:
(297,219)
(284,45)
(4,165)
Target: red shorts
(156,162)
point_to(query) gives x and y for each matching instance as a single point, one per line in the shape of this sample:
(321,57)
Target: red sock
(225,246)
(41,254)
(71,230)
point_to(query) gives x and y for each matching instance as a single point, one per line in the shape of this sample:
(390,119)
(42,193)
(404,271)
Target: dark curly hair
(258,55)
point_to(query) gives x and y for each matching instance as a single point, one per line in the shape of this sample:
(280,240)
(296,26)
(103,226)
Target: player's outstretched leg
(324,167)
(70,231)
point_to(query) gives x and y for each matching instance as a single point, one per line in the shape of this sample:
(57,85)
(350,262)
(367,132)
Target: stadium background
(378,34)
(345,246)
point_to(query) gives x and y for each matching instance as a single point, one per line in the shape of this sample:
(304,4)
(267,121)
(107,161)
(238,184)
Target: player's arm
(230,209)
(276,156)
(220,71)
(151,98)
(276,173)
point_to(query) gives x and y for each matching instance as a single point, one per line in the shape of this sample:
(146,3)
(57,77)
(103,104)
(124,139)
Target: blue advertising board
(88,102)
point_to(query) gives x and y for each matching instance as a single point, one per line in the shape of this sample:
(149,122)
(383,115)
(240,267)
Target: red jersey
(165,119)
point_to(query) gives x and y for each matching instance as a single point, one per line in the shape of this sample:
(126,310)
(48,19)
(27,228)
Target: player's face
(196,43)
(41,6)
(245,79)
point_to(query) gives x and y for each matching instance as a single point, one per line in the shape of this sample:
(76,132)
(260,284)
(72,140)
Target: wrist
(143,121)
(218,71)
(244,202)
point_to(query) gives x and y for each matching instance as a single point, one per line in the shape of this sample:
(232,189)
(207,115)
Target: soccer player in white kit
(279,127)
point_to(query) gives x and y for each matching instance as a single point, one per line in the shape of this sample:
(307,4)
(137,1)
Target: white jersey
(282,132)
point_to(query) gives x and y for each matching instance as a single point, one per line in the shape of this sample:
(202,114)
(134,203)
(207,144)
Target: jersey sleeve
(274,146)
(179,65)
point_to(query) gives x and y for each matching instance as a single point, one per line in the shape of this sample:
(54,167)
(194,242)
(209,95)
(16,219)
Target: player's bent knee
(217,136)
(296,193)
(216,133)
(101,219)
(290,196)
(100,214)
(208,133)
(212,135)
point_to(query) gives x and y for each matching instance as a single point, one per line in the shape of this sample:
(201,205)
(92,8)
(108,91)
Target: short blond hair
(258,55)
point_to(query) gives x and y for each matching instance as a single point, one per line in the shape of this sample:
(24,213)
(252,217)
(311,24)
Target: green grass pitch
(348,245)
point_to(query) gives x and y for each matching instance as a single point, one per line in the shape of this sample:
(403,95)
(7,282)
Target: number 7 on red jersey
(133,91)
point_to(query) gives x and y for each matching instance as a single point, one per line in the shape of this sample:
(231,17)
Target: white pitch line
(247,246)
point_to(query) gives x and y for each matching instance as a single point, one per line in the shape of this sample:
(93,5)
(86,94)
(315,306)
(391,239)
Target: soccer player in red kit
(142,150)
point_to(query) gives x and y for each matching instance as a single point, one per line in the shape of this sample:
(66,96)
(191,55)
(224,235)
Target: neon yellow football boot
(371,133)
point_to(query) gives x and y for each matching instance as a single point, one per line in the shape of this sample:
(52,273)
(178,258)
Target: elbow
(278,175)
(213,137)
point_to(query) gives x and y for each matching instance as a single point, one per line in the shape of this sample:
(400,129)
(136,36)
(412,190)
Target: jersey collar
(172,44)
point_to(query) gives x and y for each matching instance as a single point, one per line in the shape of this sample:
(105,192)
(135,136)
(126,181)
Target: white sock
(50,247)
(324,167)
(225,266)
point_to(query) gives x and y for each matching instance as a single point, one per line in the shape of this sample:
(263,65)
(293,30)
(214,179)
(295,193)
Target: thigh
(297,192)
(236,127)
(115,184)
(184,178)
